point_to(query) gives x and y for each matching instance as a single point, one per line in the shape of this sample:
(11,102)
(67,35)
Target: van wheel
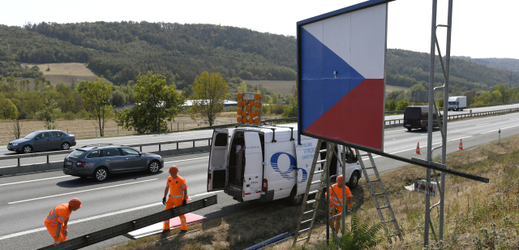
(354,180)
(408,129)
(293,199)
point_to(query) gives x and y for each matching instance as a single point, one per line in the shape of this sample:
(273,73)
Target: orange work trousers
(51,227)
(171,203)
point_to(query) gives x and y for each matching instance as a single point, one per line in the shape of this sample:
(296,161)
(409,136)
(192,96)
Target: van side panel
(305,155)
(253,167)
(281,163)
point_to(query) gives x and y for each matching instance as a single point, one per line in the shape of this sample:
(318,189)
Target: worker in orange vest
(57,220)
(336,202)
(177,196)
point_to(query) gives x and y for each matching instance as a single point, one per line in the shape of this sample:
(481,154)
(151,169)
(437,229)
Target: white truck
(263,163)
(457,102)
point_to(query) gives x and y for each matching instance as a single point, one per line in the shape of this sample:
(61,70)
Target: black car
(43,140)
(100,161)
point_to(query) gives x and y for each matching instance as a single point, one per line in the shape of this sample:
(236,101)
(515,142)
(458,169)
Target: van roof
(280,133)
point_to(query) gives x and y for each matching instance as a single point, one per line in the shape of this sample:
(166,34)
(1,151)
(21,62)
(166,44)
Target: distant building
(226,103)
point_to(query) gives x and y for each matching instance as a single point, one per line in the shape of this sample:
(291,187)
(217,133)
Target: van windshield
(413,113)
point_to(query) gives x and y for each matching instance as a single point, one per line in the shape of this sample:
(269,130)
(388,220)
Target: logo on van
(285,173)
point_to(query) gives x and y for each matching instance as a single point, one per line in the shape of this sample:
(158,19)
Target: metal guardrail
(47,154)
(124,228)
(396,122)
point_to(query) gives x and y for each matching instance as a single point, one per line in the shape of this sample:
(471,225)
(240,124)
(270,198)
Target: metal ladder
(310,207)
(380,191)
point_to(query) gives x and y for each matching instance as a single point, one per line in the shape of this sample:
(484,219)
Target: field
(89,128)
(391,88)
(477,215)
(68,73)
(283,87)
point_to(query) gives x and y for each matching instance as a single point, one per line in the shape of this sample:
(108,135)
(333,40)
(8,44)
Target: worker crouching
(57,220)
(336,202)
(177,187)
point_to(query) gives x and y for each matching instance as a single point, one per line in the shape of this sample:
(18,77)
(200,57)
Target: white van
(263,163)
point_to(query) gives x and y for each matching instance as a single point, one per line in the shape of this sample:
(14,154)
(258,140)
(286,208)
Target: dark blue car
(42,140)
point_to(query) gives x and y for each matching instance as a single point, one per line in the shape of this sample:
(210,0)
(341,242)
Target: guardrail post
(177,145)
(19,162)
(48,159)
(140,147)
(159,147)
(193,144)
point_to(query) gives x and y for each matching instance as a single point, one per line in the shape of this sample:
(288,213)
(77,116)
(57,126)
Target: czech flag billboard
(341,63)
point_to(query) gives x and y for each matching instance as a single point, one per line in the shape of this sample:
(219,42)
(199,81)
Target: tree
(49,113)
(156,103)
(7,109)
(291,108)
(97,96)
(209,93)
(401,105)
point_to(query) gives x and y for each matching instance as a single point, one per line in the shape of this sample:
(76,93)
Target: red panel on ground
(358,118)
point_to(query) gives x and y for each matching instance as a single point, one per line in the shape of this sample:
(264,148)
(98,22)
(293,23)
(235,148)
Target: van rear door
(217,169)
(253,172)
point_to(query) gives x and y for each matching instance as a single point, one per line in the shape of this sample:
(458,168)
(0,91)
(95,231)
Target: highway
(26,199)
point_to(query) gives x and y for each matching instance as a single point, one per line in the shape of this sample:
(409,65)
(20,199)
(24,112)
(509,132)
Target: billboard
(341,63)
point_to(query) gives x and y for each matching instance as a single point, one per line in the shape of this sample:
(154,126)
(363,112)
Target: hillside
(120,51)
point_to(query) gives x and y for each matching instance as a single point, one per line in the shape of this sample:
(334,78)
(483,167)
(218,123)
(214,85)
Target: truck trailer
(457,103)
(267,163)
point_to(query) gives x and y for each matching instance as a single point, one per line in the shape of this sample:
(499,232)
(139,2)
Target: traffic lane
(39,237)
(121,192)
(471,133)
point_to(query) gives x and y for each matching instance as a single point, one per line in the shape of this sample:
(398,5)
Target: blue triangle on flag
(326,78)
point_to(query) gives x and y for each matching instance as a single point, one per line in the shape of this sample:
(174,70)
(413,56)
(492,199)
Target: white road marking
(495,130)
(82,191)
(43,179)
(4,237)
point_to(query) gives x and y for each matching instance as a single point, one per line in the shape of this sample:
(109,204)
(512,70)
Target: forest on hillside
(119,51)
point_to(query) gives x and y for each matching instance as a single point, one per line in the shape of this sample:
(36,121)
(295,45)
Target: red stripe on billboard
(366,102)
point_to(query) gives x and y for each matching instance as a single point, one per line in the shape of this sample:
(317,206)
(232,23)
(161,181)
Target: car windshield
(31,135)
(76,154)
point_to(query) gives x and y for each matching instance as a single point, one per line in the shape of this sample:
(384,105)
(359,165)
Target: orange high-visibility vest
(336,192)
(59,214)
(176,187)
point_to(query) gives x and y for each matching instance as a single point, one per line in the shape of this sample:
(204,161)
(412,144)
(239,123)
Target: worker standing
(57,220)
(336,200)
(177,196)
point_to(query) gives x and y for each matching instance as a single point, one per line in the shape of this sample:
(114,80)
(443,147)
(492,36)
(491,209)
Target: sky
(480,28)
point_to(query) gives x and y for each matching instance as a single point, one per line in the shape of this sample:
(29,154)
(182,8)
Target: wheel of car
(27,149)
(153,167)
(101,174)
(65,146)
(294,199)
(408,129)
(354,180)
